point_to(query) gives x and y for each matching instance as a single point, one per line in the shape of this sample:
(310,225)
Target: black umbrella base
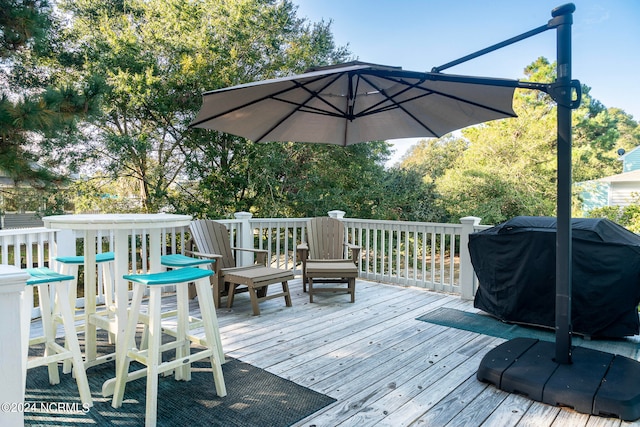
(595,382)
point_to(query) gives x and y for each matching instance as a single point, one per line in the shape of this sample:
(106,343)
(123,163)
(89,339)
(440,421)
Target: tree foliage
(39,112)
(23,23)
(156,58)
(627,216)
(114,85)
(507,167)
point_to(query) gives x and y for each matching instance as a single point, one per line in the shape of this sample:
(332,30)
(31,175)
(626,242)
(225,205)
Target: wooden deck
(384,367)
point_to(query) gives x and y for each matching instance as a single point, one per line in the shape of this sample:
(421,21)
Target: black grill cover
(515,265)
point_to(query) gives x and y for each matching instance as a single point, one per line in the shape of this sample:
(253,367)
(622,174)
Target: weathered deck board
(384,367)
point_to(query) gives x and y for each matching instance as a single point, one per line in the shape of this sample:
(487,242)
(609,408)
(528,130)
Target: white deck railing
(27,247)
(428,255)
(37,247)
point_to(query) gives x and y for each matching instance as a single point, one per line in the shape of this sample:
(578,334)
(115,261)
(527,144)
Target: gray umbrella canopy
(355,102)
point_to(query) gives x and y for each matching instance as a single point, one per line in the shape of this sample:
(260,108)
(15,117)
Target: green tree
(627,216)
(155,58)
(430,159)
(38,112)
(509,166)
(22,23)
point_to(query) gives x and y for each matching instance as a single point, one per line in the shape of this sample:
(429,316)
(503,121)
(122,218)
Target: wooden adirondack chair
(211,240)
(323,257)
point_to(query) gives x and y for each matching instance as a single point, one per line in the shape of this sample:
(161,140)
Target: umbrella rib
(432,91)
(301,105)
(408,86)
(308,109)
(395,103)
(274,96)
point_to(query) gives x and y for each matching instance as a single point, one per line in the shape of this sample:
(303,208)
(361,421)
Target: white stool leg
(214,318)
(153,355)
(48,329)
(212,333)
(71,338)
(109,292)
(182,373)
(71,270)
(129,342)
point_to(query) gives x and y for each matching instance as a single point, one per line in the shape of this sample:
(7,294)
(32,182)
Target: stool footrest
(60,355)
(100,360)
(103,322)
(142,355)
(176,363)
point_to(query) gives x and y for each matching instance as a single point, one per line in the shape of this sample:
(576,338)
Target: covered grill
(515,265)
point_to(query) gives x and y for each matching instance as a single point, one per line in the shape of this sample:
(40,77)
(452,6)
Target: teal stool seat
(171,277)
(181,261)
(79,259)
(46,275)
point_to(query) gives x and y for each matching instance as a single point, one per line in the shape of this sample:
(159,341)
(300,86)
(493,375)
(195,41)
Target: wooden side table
(257,278)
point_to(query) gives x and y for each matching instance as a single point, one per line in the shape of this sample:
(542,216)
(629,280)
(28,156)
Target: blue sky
(420,34)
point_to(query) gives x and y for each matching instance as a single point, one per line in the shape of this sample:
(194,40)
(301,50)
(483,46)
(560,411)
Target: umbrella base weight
(594,382)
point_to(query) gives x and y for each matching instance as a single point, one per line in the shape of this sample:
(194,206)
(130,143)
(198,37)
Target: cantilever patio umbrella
(355,102)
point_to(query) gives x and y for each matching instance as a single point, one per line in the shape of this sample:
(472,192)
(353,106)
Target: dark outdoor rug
(255,398)
(489,325)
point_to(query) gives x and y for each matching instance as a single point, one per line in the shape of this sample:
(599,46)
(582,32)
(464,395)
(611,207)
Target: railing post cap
(470,220)
(336,214)
(243,215)
(12,278)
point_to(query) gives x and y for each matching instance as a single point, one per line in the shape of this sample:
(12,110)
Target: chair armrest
(249,250)
(355,252)
(203,255)
(216,257)
(303,251)
(261,254)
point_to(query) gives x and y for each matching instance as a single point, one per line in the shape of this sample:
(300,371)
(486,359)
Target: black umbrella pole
(563,19)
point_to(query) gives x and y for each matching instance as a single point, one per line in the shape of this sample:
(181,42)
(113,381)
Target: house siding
(631,161)
(594,194)
(624,193)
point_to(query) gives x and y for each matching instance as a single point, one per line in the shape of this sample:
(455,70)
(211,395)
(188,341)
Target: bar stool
(70,265)
(152,357)
(181,261)
(174,261)
(51,283)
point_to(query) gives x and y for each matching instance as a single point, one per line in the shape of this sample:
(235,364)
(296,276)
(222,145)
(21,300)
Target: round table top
(116,221)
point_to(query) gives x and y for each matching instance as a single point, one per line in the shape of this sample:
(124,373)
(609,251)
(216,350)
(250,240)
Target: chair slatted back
(213,238)
(325,237)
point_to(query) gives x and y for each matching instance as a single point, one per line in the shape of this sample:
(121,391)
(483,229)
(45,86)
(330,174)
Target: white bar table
(122,225)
